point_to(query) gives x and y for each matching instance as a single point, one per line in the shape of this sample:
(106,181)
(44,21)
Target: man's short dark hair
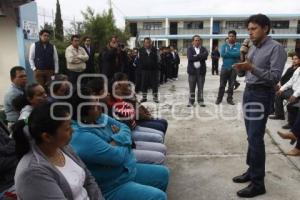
(13,71)
(112,37)
(261,20)
(196,36)
(147,38)
(44,31)
(232,32)
(74,36)
(85,38)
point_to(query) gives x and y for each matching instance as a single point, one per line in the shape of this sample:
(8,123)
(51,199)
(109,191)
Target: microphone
(244,49)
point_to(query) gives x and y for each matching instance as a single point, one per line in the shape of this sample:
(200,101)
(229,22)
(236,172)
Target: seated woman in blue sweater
(104,144)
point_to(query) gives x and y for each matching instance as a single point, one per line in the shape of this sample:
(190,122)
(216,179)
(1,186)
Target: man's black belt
(259,87)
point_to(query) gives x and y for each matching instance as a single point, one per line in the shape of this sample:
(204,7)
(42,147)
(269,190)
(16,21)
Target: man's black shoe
(201,104)
(218,102)
(251,191)
(230,102)
(190,104)
(287,126)
(244,178)
(236,85)
(277,117)
(155,100)
(143,100)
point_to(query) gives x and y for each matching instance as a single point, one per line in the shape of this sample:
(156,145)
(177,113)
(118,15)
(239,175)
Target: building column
(211,34)
(167,30)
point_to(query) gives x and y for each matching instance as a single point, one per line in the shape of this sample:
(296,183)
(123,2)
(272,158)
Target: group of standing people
(261,60)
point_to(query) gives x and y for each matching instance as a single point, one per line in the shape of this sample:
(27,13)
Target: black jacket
(215,55)
(193,57)
(90,66)
(148,62)
(8,159)
(109,65)
(287,75)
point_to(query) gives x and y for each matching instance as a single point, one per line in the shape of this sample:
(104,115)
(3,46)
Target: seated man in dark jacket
(8,159)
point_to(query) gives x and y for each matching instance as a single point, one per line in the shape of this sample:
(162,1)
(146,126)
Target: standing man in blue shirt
(230,53)
(263,68)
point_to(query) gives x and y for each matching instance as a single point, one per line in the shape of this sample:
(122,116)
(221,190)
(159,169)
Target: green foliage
(101,27)
(291,52)
(59,29)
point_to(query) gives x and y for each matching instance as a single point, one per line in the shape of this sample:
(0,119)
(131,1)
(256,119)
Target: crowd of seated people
(83,152)
(288,89)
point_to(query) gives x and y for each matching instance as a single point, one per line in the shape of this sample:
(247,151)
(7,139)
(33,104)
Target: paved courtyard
(207,146)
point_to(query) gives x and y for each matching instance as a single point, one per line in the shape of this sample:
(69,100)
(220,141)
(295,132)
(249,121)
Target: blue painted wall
(28,13)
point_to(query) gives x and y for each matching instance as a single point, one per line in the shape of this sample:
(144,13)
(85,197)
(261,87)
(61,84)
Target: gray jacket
(12,93)
(37,178)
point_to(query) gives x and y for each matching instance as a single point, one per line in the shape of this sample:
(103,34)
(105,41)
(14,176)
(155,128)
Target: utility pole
(53,23)
(109,4)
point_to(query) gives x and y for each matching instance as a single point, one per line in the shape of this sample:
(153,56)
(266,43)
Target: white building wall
(9,52)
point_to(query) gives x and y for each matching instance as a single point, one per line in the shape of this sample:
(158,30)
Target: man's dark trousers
(199,80)
(227,75)
(215,66)
(256,105)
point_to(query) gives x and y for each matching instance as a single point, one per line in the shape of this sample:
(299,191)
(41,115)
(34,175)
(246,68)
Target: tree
(59,29)
(101,27)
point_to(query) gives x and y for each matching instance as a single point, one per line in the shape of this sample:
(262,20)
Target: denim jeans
(256,104)
(158,124)
(151,182)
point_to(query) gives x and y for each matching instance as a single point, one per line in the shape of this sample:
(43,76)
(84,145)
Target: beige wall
(291,43)
(8,53)
(206,24)
(206,43)
(293,23)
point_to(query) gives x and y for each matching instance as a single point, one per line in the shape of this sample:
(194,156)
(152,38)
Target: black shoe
(287,126)
(251,191)
(244,178)
(231,102)
(277,117)
(201,104)
(143,100)
(236,85)
(155,100)
(218,102)
(190,105)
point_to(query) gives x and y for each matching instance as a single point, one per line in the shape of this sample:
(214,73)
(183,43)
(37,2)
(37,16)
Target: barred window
(280,24)
(235,25)
(152,25)
(193,25)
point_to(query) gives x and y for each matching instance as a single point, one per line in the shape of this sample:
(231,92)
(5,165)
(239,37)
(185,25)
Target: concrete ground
(207,146)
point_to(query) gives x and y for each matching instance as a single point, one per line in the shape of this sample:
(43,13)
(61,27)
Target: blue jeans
(296,130)
(150,183)
(158,124)
(257,104)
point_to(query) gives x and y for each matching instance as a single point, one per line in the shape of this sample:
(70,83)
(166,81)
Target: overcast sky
(71,8)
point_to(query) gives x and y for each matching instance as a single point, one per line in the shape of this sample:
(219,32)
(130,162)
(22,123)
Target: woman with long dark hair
(48,168)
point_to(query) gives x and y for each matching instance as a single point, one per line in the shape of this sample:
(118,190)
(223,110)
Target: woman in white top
(49,169)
